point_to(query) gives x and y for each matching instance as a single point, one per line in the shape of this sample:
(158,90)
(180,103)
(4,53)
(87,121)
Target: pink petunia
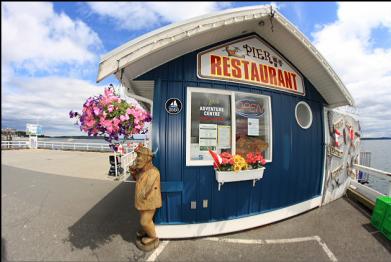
(96,111)
(124,117)
(116,122)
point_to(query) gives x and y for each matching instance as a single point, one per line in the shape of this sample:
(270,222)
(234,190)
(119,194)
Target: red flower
(255,159)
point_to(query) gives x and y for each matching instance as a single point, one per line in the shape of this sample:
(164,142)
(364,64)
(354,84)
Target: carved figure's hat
(140,149)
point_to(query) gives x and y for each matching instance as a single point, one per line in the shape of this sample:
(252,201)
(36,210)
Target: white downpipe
(115,164)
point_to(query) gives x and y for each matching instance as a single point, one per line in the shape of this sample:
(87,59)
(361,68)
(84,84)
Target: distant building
(8,133)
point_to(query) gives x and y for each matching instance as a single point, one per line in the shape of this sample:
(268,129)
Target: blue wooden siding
(295,174)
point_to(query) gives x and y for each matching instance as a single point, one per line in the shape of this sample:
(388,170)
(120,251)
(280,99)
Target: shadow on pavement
(3,251)
(113,215)
(369,227)
(378,236)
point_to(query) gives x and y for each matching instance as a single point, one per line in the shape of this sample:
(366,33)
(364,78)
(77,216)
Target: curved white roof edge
(157,47)
(168,27)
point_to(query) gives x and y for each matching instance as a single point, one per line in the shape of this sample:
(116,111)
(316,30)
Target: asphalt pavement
(63,218)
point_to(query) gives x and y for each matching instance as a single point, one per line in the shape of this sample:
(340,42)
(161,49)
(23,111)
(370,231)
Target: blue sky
(51,52)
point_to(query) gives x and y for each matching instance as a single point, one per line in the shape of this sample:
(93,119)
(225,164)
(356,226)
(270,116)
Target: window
(210,124)
(252,124)
(226,121)
(303,115)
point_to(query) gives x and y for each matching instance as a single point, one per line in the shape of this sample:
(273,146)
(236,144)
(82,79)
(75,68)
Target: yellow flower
(236,168)
(239,163)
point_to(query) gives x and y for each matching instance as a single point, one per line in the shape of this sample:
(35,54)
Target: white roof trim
(164,39)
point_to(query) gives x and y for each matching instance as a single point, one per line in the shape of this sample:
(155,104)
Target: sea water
(380,159)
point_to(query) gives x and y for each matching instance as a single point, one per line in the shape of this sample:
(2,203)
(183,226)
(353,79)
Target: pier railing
(386,176)
(127,160)
(14,144)
(100,147)
(358,186)
(95,147)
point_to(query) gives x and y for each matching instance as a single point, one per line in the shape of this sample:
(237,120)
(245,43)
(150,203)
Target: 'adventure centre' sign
(249,61)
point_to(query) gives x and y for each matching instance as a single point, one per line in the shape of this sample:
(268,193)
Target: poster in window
(207,137)
(224,137)
(252,126)
(208,111)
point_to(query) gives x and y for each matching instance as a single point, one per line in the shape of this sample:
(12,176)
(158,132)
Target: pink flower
(89,123)
(109,92)
(94,120)
(96,111)
(124,117)
(116,122)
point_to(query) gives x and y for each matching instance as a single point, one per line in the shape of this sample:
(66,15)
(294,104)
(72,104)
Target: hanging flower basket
(232,176)
(112,117)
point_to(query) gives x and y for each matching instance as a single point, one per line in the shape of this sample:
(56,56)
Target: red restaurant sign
(249,61)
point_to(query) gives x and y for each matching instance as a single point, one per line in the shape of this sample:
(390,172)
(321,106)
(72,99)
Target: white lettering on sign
(251,61)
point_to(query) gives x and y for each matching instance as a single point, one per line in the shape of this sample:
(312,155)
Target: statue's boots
(141,233)
(147,244)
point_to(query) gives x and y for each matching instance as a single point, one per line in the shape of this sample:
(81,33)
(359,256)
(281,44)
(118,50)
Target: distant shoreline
(376,138)
(101,137)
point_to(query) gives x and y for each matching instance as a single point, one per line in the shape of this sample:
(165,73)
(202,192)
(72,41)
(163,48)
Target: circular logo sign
(173,106)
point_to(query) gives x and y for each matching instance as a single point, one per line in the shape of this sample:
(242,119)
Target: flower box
(232,176)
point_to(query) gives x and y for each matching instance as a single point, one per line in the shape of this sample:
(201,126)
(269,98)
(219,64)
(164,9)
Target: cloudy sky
(51,51)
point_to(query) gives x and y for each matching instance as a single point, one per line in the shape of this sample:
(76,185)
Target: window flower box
(232,176)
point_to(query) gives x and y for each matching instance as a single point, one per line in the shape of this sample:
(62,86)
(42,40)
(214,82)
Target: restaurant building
(237,81)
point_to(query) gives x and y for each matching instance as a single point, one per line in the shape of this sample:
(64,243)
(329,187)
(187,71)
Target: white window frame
(191,90)
(306,105)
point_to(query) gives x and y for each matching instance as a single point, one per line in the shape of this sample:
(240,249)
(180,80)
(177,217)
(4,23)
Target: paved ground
(63,218)
(67,163)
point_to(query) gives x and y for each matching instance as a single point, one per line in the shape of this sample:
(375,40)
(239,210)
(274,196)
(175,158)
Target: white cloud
(43,54)
(349,45)
(47,100)
(37,39)
(144,15)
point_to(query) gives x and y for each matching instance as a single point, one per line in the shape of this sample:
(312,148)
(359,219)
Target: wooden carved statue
(147,197)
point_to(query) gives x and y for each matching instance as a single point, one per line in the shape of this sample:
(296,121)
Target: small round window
(303,115)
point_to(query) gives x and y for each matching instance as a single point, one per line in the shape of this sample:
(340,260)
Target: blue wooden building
(237,81)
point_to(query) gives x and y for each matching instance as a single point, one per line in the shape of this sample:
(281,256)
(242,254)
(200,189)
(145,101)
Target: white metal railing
(14,144)
(127,159)
(74,146)
(376,173)
(365,190)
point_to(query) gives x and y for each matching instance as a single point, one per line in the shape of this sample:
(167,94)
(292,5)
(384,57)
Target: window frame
(232,94)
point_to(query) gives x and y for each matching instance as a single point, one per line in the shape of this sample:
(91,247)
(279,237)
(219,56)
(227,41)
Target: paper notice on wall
(224,137)
(207,137)
(253,126)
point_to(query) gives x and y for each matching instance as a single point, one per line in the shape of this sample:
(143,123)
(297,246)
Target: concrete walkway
(94,165)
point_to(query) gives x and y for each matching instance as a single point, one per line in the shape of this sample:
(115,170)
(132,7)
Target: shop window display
(216,117)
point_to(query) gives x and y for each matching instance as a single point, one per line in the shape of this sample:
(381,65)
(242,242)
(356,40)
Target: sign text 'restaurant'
(251,61)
